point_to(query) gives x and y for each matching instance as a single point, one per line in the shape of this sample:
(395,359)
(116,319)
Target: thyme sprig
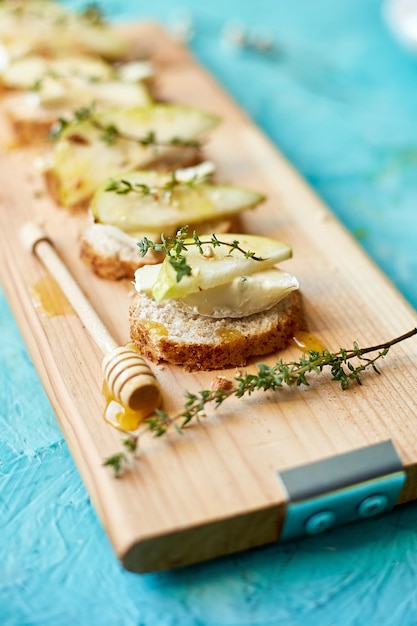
(79,115)
(345,366)
(120,460)
(175,247)
(123,186)
(110,133)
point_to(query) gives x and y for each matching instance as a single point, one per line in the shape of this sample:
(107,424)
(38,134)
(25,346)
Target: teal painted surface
(340,102)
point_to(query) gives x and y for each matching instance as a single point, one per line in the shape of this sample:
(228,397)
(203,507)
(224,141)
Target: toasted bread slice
(27,129)
(167,331)
(111,253)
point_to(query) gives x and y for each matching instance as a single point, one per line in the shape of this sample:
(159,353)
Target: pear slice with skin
(33,70)
(73,82)
(73,92)
(149,201)
(51,28)
(89,152)
(26,72)
(217,265)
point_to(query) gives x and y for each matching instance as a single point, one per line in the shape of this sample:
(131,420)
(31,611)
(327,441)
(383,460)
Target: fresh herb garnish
(120,460)
(174,248)
(79,115)
(110,133)
(345,366)
(123,186)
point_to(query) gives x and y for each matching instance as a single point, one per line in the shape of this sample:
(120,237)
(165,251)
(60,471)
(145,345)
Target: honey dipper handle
(35,239)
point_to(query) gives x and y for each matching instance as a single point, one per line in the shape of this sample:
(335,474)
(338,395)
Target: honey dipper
(128,377)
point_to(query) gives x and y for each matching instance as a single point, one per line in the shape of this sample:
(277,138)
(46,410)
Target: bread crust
(168,332)
(112,254)
(28,133)
(111,267)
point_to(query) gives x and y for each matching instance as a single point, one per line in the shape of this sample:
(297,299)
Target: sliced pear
(82,160)
(167,121)
(218,265)
(54,88)
(26,72)
(243,296)
(49,27)
(161,210)
(74,92)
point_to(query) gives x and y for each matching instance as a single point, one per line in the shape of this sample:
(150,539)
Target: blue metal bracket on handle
(341,489)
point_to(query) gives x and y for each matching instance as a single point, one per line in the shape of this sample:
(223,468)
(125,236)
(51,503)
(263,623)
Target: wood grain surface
(214,490)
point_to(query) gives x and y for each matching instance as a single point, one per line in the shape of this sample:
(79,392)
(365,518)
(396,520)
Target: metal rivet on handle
(319,522)
(372,505)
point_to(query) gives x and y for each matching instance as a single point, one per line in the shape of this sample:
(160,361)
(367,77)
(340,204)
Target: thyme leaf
(117,462)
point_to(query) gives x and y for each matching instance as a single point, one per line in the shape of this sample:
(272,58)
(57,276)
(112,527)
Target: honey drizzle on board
(49,298)
(306,341)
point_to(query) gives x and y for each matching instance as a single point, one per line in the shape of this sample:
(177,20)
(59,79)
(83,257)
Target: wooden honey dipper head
(131,381)
(128,377)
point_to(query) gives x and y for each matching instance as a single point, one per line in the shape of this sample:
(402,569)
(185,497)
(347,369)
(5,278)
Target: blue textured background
(340,100)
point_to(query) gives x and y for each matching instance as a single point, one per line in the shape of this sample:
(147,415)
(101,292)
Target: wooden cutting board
(215,489)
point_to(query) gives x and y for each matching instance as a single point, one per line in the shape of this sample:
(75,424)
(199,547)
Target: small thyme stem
(123,186)
(388,344)
(267,378)
(111,133)
(174,248)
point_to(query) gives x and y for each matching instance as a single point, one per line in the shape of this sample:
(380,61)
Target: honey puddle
(305,341)
(49,298)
